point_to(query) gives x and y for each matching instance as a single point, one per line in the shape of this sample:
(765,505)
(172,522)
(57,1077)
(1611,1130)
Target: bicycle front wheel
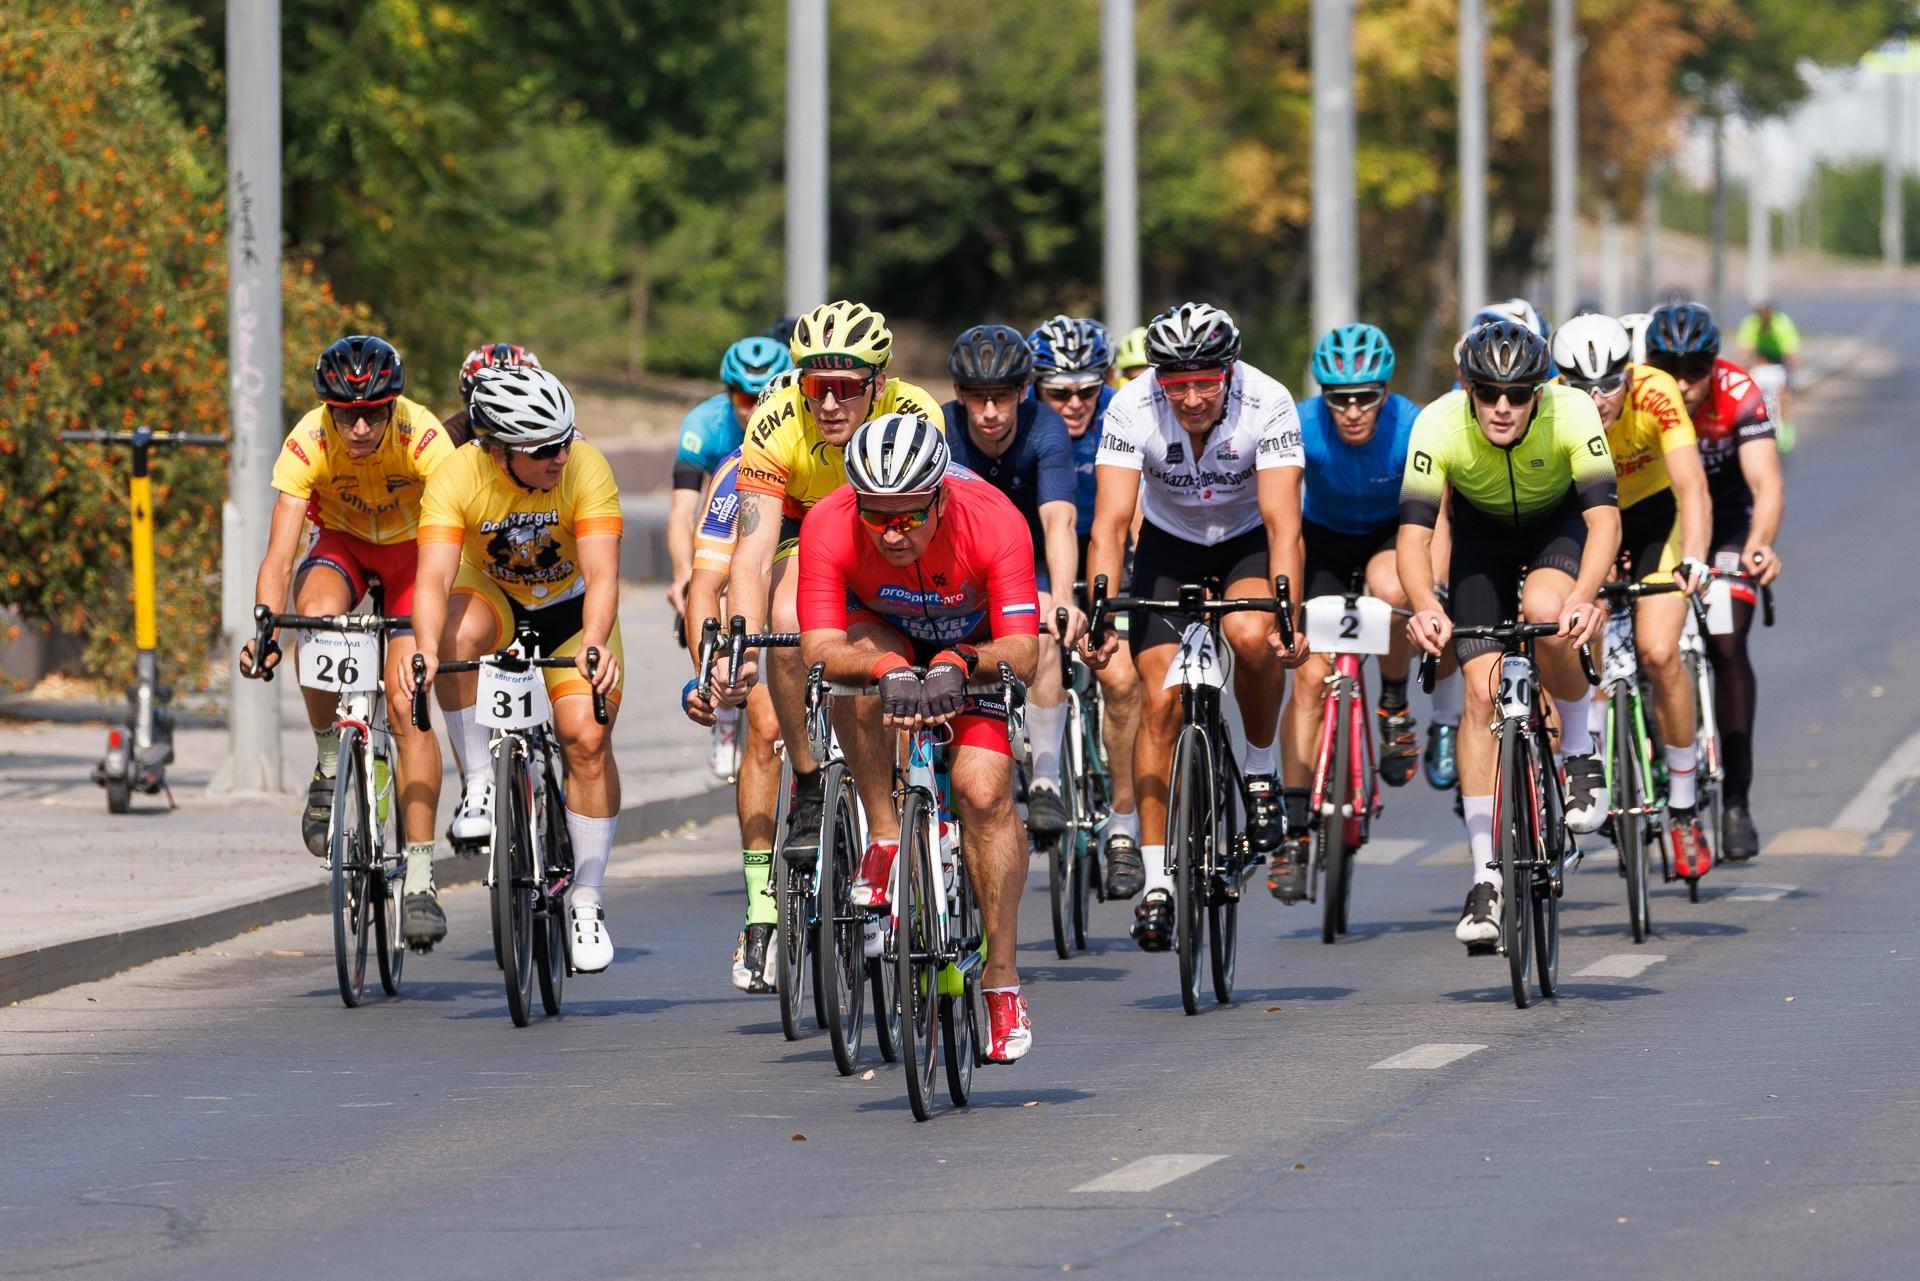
(916,939)
(513,887)
(349,849)
(1709,770)
(959,1015)
(1514,813)
(1332,836)
(795,897)
(550,921)
(1189,830)
(388,880)
(839,960)
(1629,826)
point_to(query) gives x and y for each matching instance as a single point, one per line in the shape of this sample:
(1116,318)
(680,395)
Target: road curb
(36,971)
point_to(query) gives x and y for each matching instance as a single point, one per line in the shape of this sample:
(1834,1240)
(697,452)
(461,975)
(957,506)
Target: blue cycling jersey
(1355,489)
(709,432)
(1038,467)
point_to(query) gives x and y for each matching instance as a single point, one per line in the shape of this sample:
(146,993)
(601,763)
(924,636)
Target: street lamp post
(1119,174)
(1335,232)
(1473,158)
(806,154)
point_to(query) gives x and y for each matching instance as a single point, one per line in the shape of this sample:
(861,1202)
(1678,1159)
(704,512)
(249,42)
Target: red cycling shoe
(1692,858)
(876,869)
(1009,1027)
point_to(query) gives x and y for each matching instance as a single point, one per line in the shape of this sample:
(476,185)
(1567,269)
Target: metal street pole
(253,393)
(1473,158)
(1649,236)
(1336,268)
(1566,175)
(806,154)
(1893,170)
(1120,179)
(1613,262)
(1717,218)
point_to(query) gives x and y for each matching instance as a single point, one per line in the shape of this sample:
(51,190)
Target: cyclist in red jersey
(1749,498)
(912,563)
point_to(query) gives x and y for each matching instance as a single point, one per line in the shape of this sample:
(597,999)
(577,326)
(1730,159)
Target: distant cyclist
(1770,344)
(1130,357)
(494,355)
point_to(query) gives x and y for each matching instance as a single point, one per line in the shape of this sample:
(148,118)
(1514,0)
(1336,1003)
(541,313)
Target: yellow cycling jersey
(522,539)
(1651,424)
(784,456)
(1563,451)
(375,499)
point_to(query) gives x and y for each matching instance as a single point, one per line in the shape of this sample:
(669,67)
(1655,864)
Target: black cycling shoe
(1153,922)
(1126,873)
(1046,816)
(754,948)
(1479,926)
(1263,813)
(1399,748)
(803,821)
(1287,871)
(422,923)
(318,815)
(1742,839)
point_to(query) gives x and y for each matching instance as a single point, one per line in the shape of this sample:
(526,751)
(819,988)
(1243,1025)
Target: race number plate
(1516,686)
(1197,663)
(1620,663)
(511,700)
(339,662)
(1333,628)
(1719,607)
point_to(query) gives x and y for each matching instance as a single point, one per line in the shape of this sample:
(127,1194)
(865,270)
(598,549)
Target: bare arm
(1057,521)
(1689,481)
(1760,464)
(432,583)
(1116,496)
(852,664)
(275,580)
(1278,489)
(683,514)
(1596,562)
(749,582)
(600,567)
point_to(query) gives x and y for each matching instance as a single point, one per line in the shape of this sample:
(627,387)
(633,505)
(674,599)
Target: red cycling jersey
(974,581)
(1735,412)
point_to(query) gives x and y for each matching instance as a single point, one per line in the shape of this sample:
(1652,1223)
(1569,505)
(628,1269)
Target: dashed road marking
(1433,1055)
(1455,853)
(1150,1172)
(1621,965)
(1379,853)
(1872,806)
(1761,893)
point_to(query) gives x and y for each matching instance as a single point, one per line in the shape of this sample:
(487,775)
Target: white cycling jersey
(1210,497)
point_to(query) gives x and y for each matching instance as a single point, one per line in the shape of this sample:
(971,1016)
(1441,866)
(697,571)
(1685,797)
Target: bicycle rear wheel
(1513,815)
(839,960)
(389,878)
(550,921)
(513,888)
(1546,938)
(1332,836)
(349,848)
(916,935)
(1189,829)
(1629,826)
(1224,880)
(885,986)
(959,1017)
(796,898)
(1709,769)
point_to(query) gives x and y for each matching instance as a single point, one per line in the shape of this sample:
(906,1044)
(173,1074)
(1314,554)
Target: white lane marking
(1455,853)
(1380,853)
(1621,965)
(1150,1172)
(1761,893)
(1872,806)
(1433,1055)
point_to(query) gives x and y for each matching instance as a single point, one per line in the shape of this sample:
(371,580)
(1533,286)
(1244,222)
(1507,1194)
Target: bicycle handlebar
(1625,593)
(1766,590)
(144,435)
(1192,603)
(1507,635)
(265,622)
(507,661)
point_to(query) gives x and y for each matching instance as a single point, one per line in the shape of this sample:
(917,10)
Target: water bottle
(382,786)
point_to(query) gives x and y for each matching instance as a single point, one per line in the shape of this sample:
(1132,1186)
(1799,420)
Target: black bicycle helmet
(1506,352)
(1683,329)
(1193,335)
(359,370)
(990,356)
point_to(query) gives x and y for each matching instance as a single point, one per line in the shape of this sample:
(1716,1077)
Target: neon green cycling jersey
(1564,449)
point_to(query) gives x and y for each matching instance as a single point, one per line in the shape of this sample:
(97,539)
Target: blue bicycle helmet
(750,363)
(1353,354)
(1066,345)
(1683,329)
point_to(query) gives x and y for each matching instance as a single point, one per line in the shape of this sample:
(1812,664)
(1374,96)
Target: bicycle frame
(1347,683)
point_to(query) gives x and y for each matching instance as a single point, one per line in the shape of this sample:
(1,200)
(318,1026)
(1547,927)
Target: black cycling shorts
(1650,537)
(1162,564)
(1334,558)
(1489,555)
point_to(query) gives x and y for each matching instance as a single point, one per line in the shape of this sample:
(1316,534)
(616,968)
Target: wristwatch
(969,654)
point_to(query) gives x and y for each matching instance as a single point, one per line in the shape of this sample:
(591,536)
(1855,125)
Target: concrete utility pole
(806,154)
(1566,174)
(1649,238)
(1613,262)
(1336,267)
(1473,158)
(1717,218)
(253,394)
(1893,166)
(1759,219)
(1120,179)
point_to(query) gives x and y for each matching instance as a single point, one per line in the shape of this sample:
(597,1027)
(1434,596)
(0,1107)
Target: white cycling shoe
(723,756)
(473,821)
(592,947)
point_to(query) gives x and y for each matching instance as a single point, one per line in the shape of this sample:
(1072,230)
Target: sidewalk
(91,893)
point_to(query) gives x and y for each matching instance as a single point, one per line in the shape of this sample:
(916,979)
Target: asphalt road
(1737,1097)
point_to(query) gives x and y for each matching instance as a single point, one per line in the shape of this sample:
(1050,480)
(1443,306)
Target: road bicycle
(346,655)
(529,854)
(140,748)
(1717,619)
(1532,846)
(1086,793)
(935,941)
(1208,853)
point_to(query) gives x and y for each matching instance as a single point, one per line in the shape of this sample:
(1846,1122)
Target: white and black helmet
(896,454)
(1193,335)
(1635,323)
(520,408)
(1591,348)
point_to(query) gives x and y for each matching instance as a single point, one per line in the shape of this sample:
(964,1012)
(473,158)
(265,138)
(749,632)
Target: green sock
(419,878)
(328,740)
(758,866)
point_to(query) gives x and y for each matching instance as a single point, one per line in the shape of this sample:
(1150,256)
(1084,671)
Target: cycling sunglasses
(345,416)
(1363,398)
(841,385)
(1205,380)
(743,400)
(1002,395)
(1494,393)
(547,452)
(1060,394)
(1611,385)
(1687,369)
(896,522)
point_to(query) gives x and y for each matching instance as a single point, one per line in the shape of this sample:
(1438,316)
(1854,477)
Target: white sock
(1127,824)
(1575,739)
(470,741)
(592,846)
(1043,738)
(1259,760)
(1680,775)
(1155,858)
(1597,709)
(419,878)
(328,741)
(1449,698)
(1479,812)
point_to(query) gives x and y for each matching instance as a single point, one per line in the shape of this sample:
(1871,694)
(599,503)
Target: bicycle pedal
(1483,949)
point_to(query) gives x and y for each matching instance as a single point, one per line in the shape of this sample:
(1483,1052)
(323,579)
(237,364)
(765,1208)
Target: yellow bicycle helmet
(1132,351)
(842,335)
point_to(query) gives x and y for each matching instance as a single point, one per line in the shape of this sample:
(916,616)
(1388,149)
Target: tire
(1225,879)
(959,1017)
(1058,851)
(1712,805)
(1332,836)
(1513,817)
(884,984)
(839,959)
(1189,830)
(389,883)
(1092,807)
(1546,942)
(1629,829)
(513,889)
(915,971)
(793,897)
(350,851)
(119,795)
(550,930)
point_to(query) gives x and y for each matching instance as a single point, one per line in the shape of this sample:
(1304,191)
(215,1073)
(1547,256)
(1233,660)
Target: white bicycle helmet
(1194,335)
(896,454)
(521,408)
(1635,323)
(1590,348)
(1518,310)
(777,384)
